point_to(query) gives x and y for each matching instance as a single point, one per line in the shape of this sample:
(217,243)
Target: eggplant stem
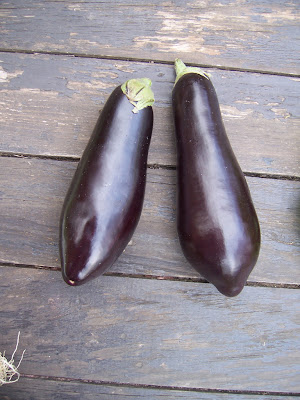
(139,93)
(181,69)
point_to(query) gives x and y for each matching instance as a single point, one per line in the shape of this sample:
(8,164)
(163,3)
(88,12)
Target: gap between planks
(178,388)
(156,277)
(147,61)
(150,166)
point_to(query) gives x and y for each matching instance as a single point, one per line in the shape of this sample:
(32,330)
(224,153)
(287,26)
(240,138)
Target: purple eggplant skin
(104,202)
(217,224)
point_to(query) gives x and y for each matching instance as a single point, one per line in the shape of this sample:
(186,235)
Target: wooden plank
(50,104)
(260,35)
(41,389)
(152,332)
(32,193)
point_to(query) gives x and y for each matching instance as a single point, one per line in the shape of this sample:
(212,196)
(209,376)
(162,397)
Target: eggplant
(105,198)
(217,223)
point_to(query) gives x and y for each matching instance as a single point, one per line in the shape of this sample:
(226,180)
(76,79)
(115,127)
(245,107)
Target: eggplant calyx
(139,93)
(181,69)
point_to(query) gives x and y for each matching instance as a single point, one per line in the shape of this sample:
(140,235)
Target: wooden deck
(151,328)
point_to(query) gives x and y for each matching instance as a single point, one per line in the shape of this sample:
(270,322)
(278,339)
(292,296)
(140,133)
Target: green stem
(181,69)
(139,93)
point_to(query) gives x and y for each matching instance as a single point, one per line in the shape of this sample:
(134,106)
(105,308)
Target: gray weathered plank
(32,193)
(41,389)
(259,34)
(151,332)
(50,104)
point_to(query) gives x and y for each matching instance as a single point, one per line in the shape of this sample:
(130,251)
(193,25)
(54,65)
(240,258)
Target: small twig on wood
(8,371)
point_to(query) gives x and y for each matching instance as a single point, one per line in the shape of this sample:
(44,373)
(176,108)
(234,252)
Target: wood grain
(32,193)
(151,332)
(50,104)
(260,34)
(122,335)
(41,389)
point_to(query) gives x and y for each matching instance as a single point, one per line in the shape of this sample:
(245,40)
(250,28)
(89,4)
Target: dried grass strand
(8,371)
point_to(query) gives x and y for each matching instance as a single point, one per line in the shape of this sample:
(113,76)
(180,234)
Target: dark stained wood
(50,104)
(255,34)
(151,332)
(123,336)
(32,193)
(41,389)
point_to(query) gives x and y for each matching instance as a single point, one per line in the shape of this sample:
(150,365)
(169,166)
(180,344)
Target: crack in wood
(161,387)
(147,60)
(150,166)
(155,277)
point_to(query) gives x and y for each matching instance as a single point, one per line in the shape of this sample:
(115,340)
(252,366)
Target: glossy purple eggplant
(217,224)
(104,202)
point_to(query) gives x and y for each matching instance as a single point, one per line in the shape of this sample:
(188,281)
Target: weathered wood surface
(50,104)
(89,342)
(260,35)
(152,332)
(41,389)
(32,193)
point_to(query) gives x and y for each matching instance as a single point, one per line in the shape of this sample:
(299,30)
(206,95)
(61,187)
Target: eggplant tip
(71,282)
(230,290)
